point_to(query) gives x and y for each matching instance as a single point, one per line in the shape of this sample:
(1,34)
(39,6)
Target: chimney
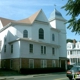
(74,41)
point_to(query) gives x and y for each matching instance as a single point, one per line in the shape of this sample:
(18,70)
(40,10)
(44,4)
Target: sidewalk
(11,75)
(14,77)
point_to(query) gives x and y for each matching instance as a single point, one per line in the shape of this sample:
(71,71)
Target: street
(47,77)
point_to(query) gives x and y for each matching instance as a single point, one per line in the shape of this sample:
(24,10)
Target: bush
(40,70)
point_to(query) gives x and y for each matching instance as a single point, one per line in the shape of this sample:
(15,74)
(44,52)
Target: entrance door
(63,64)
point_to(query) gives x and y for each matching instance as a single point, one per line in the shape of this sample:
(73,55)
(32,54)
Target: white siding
(21,28)
(35,32)
(8,54)
(37,51)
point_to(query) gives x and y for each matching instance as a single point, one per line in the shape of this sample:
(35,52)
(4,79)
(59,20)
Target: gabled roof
(5,21)
(31,19)
(28,20)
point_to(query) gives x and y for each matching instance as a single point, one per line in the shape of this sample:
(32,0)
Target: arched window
(41,33)
(25,33)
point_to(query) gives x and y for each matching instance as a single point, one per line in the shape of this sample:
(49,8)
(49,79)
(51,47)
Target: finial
(54,5)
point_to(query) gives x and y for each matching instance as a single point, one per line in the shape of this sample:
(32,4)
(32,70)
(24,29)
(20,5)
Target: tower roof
(56,15)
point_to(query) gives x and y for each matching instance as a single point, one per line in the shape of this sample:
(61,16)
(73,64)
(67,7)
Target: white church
(34,42)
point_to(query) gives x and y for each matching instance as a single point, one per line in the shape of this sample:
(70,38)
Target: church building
(33,42)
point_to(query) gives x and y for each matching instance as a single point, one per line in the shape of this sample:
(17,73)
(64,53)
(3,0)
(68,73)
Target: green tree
(70,40)
(73,9)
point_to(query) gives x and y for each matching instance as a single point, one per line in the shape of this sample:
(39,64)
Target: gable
(41,17)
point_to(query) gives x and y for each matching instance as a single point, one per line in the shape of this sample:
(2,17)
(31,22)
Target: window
(4,39)
(53,63)
(31,63)
(77,46)
(41,33)
(53,51)
(68,46)
(11,63)
(43,63)
(70,52)
(53,37)
(25,33)
(12,48)
(43,49)
(72,60)
(4,48)
(31,48)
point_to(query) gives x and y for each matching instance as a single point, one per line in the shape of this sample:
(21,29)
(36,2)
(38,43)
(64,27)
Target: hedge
(40,70)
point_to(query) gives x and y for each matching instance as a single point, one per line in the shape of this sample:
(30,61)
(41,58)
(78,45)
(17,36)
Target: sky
(21,9)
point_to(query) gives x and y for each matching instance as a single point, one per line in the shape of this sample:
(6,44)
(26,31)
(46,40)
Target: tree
(73,8)
(70,40)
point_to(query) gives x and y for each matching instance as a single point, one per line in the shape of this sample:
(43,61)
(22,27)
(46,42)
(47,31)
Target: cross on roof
(55,5)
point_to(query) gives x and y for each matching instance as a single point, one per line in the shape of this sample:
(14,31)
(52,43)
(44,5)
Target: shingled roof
(5,21)
(29,20)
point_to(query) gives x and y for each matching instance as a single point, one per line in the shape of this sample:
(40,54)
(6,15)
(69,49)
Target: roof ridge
(30,19)
(6,19)
(34,16)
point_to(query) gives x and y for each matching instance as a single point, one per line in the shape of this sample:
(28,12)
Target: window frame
(31,63)
(25,34)
(43,63)
(31,48)
(5,48)
(53,50)
(11,48)
(41,33)
(53,63)
(53,37)
(43,49)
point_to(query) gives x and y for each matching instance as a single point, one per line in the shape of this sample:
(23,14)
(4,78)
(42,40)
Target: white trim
(20,63)
(43,63)
(53,63)
(30,40)
(32,63)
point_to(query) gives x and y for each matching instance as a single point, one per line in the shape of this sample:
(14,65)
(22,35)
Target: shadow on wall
(6,47)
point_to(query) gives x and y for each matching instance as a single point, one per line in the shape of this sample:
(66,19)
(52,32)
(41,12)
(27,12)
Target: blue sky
(20,9)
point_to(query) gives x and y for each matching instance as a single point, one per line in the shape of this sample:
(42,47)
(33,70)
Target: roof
(29,20)
(5,21)
(56,15)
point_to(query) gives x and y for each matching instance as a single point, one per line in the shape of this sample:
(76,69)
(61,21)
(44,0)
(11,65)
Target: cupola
(56,15)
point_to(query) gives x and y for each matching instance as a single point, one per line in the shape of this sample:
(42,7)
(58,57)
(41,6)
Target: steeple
(56,15)
(56,20)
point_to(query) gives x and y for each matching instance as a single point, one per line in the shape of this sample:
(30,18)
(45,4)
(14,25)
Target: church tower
(58,22)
